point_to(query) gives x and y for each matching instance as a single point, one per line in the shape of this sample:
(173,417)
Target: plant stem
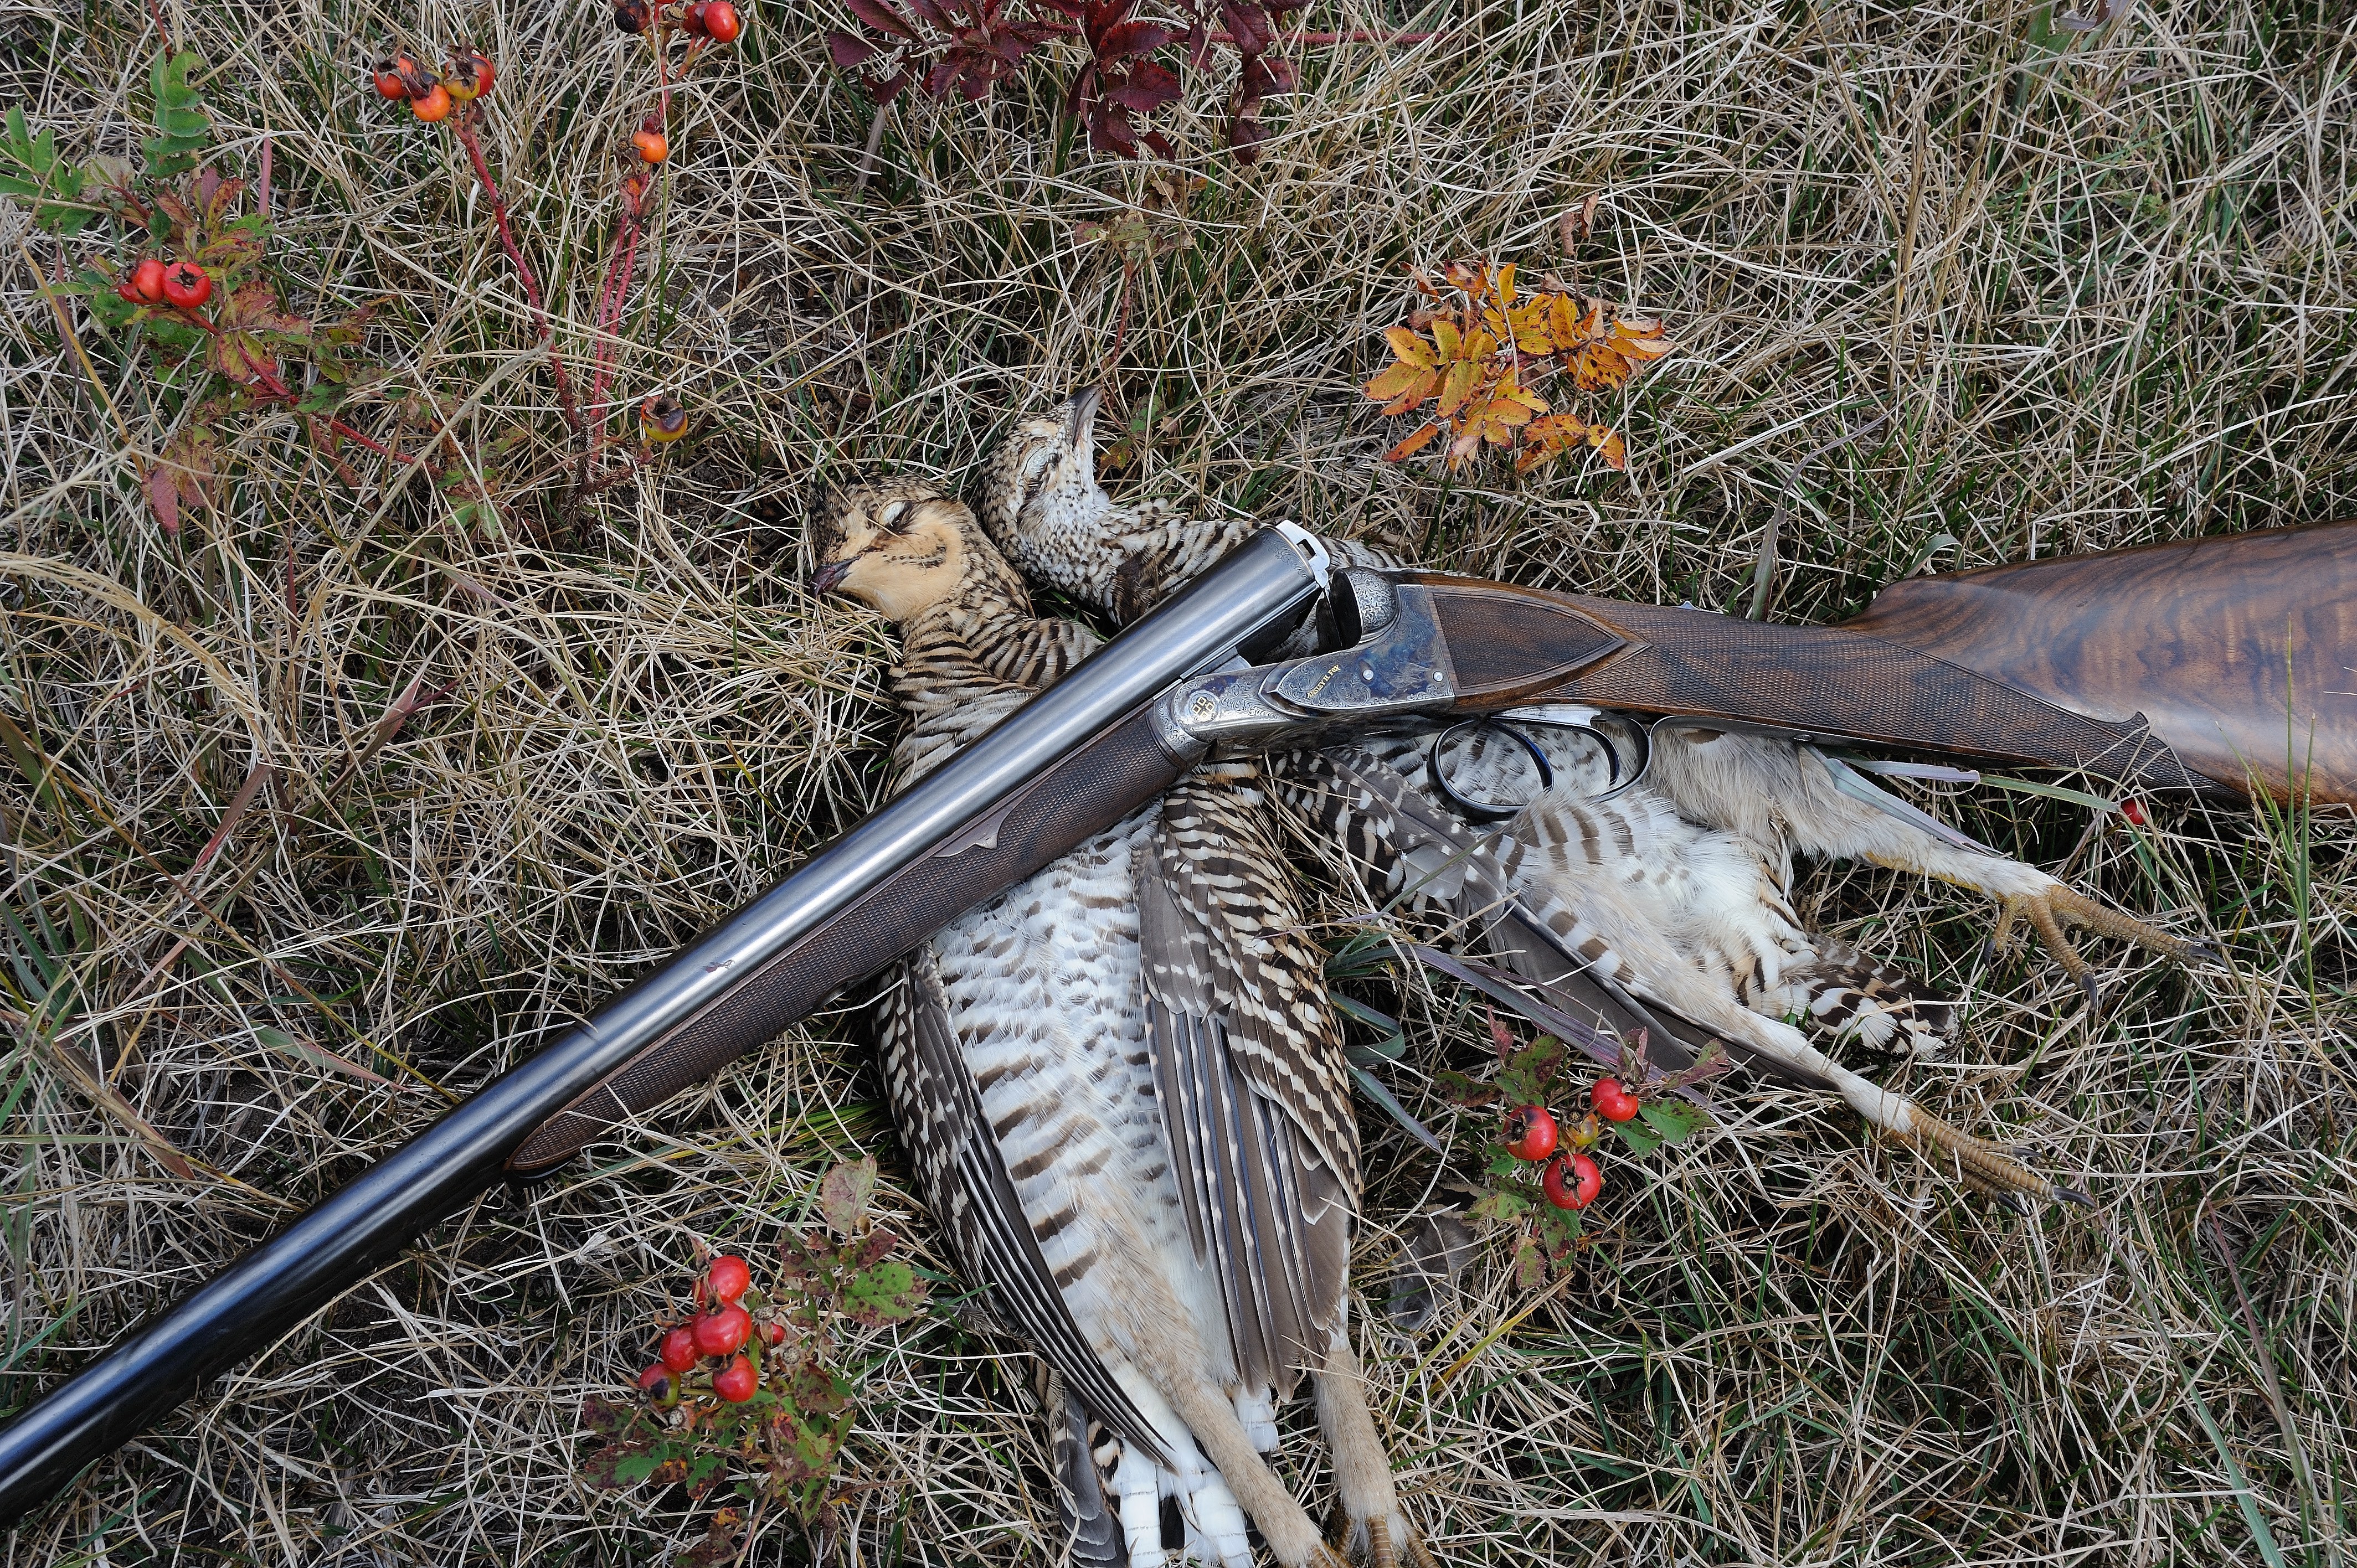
(463,124)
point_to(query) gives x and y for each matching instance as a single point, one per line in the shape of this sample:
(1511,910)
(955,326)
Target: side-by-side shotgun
(2238,651)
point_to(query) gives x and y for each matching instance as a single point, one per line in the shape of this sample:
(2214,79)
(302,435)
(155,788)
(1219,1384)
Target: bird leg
(1366,1504)
(1211,1420)
(1783,798)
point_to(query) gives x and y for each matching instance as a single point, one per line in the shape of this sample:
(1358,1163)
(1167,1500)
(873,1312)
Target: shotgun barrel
(1075,759)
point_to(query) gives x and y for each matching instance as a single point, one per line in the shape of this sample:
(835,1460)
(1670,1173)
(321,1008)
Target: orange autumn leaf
(1487,348)
(1458,389)
(1412,445)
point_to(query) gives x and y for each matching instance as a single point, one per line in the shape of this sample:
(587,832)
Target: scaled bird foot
(2049,911)
(1381,1552)
(1984,1167)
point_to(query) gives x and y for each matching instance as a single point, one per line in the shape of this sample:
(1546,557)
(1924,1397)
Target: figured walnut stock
(1515,645)
(1084,793)
(2241,650)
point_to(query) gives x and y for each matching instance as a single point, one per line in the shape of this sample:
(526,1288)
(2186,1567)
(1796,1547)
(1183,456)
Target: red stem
(463,124)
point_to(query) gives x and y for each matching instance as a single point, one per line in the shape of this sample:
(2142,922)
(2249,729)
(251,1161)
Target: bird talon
(1379,1546)
(2057,906)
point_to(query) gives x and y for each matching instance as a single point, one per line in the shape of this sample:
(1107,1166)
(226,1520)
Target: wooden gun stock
(2184,666)
(2241,650)
(1814,683)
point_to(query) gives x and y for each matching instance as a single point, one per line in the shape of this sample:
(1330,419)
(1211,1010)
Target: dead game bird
(1676,888)
(1124,1099)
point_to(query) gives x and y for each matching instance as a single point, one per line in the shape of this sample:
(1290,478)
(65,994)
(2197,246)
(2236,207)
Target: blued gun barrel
(1074,760)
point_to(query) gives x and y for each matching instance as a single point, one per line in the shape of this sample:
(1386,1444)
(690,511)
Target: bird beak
(1081,421)
(831,575)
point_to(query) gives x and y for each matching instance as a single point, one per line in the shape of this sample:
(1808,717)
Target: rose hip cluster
(467,76)
(1572,1179)
(184,285)
(713,1342)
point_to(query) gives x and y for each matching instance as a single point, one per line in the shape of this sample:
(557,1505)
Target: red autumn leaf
(882,17)
(1148,87)
(1109,130)
(1127,40)
(164,496)
(850,53)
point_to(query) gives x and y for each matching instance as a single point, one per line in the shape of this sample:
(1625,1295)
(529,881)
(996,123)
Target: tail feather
(1089,1527)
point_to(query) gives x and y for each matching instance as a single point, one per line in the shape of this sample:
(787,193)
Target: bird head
(1040,496)
(902,546)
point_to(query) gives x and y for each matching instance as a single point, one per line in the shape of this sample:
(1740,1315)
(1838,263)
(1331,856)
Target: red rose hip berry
(147,280)
(186,286)
(679,1351)
(1612,1102)
(736,1381)
(2133,809)
(654,145)
(1572,1182)
(1530,1133)
(656,1381)
(729,1277)
(469,77)
(387,77)
(721,22)
(723,1333)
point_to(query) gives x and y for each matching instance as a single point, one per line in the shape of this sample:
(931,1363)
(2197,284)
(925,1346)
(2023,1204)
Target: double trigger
(1625,743)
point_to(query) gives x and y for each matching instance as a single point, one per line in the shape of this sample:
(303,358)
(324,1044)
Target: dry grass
(2099,285)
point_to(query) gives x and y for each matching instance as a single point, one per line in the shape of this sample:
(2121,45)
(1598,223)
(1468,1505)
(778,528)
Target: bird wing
(1248,1064)
(1410,849)
(964,1180)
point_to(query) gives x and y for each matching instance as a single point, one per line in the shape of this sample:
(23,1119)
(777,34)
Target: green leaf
(885,1292)
(1382,1023)
(1501,1206)
(1532,1072)
(1674,1120)
(180,115)
(2051,791)
(1636,1137)
(1373,1087)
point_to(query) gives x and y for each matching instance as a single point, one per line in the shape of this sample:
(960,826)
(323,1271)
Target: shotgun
(1195,674)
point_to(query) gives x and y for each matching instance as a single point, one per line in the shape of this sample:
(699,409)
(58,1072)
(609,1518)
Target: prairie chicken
(1123,1098)
(1675,890)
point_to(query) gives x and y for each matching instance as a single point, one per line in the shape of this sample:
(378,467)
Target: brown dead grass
(2098,284)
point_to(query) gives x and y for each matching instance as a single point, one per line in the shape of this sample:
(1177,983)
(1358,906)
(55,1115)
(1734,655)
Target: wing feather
(1408,846)
(1249,1068)
(964,1180)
